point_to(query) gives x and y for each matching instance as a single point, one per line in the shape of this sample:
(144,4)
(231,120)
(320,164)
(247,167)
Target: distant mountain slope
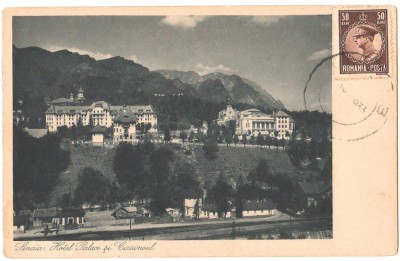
(240,90)
(39,73)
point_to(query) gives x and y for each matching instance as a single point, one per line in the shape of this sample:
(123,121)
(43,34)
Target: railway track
(224,228)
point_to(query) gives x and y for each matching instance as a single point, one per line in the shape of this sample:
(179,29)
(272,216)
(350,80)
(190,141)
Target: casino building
(253,121)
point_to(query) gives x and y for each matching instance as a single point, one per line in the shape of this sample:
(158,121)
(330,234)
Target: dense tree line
(37,164)
(144,171)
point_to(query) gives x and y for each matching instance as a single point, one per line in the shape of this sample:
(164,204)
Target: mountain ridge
(240,89)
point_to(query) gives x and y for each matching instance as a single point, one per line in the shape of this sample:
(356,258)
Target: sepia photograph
(173,127)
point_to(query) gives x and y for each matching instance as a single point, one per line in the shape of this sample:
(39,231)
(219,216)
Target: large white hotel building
(68,112)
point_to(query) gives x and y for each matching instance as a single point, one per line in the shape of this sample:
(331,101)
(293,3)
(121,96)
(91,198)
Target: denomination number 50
(381,16)
(345,16)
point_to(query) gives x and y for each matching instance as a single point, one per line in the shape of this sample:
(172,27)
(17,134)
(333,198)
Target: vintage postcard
(200,131)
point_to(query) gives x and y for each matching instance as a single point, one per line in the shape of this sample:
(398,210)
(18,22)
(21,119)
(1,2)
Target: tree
(210,147)
(128,166)
(236,139)
(252,140)
(222,192)
(232,127)
(93,188)
(158,177)
(261,173)
(167,135)
(184,184)
(244,139)
(191,136)
(37,164)
(260,140)
(283,143)
(276,142)
(147,127)
(228,139)
(220,138)
(268,141)
(183,136)
(196,211)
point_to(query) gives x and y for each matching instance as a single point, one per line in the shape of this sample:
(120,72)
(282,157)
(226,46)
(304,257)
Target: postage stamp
(363,41)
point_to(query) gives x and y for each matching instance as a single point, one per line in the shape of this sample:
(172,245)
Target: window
(311,202)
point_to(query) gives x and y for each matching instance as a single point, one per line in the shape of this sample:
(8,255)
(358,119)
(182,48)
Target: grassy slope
(232,161)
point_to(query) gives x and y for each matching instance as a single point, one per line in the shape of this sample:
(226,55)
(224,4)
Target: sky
(277,52)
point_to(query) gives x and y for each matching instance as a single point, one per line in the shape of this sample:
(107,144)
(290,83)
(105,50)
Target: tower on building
(228,106)
(80,94)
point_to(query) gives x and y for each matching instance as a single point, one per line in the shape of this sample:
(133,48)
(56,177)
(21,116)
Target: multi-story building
(253,121)
(124,125)
(98,113)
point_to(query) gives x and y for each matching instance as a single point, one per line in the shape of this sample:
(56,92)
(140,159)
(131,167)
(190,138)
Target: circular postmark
(360,108)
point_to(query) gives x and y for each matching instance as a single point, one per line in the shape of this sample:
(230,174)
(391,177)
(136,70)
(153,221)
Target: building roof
(125,115)
(258,205)
(210,207)
(66,109)
(45,212)
(36,133)
(137,109)
(54,212)
(280,114)
(70,213)
(72,109)
(129,210)
(98,129)
(101,104)
(60,100)
(315,187)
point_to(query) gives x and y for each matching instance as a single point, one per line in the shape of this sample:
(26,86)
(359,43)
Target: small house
(144,212)
(98,135)
(312,193)
(43,216)
(258,208)
(174,213)
(121,212)
(58,217)
(21,223)
(210,211)
(69,218)
(190,206)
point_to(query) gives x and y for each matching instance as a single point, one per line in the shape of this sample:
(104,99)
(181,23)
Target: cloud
(95,55)
(266,20)
(204,69)
(133,58)
(183,22)
(319,55)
